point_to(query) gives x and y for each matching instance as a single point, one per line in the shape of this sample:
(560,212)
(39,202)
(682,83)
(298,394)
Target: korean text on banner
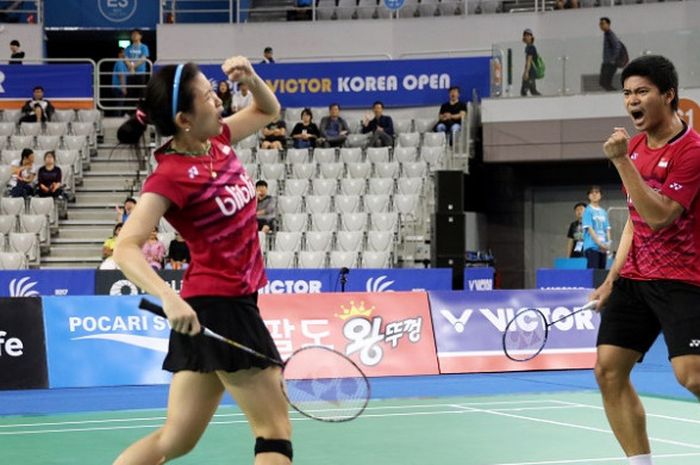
(22,344)
(384,333)
(469,328)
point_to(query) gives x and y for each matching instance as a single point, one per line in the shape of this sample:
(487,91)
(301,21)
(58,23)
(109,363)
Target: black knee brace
(280,446)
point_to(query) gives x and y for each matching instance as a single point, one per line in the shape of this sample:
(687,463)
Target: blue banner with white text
(399,279)
(34,283)
(564,279)
(60,81)
(358,84)
(91,14)
(478,278)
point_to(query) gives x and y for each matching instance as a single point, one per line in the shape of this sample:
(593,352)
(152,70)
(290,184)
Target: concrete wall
(30,36)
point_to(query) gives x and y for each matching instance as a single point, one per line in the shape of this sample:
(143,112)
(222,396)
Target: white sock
(640,460)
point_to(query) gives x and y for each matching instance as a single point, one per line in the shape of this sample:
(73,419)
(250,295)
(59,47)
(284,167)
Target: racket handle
(590,305)
(151,307)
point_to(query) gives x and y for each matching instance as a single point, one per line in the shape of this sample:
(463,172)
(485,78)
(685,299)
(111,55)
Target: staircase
(92,217)
(269,10)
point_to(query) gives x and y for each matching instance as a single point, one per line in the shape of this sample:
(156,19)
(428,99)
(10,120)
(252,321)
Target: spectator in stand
(17,54)
(241,99)
(119,76)
(124,212)
(566,4)
(597,238)
(334,129)
(49,178)
(529,73)
(223,91)
(108,245)
(274,135)
(24,175)
(136,55)
(267,56)
(305,133)
(574,243)
(154,250)
(38,109)
(267,208)
(178,254)
(380,126)
(611,51)
(451,115)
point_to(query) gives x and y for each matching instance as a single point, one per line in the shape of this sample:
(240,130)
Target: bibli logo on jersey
(117,11)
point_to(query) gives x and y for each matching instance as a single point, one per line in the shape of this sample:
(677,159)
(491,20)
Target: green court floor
(543,429)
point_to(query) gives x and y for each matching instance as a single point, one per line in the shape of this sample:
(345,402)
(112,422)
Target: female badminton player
(202,189)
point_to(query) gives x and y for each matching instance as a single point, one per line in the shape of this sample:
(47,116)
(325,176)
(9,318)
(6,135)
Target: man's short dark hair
(580,204)
(136,30)
(333,105)
(15,43)
(454,88)
(130,199)
(38,88)
(267,50)
(120,50)
(261,183)
(606,19)
(594,187)
(659,70)
(378,102)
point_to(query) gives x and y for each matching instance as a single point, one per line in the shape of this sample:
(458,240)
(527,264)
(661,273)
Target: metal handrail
(461,52)
(129,103)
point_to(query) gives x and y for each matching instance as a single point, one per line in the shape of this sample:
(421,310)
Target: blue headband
(176,87)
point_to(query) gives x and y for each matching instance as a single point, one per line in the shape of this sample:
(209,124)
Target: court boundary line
(652,415)
(602,459)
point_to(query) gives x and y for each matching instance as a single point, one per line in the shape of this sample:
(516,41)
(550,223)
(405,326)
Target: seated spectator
(305,133)
(108,245)
(178,254)
(451,115)
(124,212)
(38,109)
(566,4)
(154,250)
(49,178)
(242,98)
(17,54)
(267,208)
(380,126)
(224,93)
(24,175)
(274,135)
(334,129)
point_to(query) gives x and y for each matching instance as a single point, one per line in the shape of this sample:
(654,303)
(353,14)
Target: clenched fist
(239,69)
(616,145)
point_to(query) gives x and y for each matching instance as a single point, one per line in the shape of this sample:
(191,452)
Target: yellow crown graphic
(354,311)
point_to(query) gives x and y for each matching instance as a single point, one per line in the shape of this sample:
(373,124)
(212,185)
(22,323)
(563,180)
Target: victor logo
(10,346)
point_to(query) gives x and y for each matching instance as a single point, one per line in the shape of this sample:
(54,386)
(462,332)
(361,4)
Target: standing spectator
(38,109)
(24,175)
(267,208)
(274,135)
(596,231)
(611,51)
(223,91)
(305,133)
(17,54)
(529,73)
(574,244)
(154,250)
(334,129)
(178,254)
(451,115)
(49,178)
(241,98)
(381,127)
(124,212)
(108,245)
(119,89)
(136,54)
(267,56)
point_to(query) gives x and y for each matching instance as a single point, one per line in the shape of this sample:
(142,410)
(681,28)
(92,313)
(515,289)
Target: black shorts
(638,310)
(236,318)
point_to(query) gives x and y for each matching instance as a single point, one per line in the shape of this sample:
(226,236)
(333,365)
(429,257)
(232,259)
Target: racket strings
(525,335)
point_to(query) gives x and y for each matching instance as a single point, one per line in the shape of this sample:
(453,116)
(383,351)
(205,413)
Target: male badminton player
(202,189)
(654,283)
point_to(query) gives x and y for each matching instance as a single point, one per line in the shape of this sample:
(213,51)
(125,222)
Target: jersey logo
(226,149)
(634,156)
(675,186)
(663,163)
(695,343)
(193,172)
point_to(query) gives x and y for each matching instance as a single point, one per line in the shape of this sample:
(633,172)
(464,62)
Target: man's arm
(603,292)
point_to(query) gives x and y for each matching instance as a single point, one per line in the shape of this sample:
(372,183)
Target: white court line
(653,415)
(572,425)
(604,459)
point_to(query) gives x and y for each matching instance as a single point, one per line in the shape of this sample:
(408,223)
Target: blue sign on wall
(33,283)
(117,14)
(74,81)
(399,279)
(478,278)
(564,279)
(358,84)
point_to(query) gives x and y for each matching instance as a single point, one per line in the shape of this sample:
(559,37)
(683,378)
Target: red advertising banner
(386,334)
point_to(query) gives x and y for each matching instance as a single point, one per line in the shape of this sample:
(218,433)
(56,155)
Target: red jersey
(214,209)
(674,171)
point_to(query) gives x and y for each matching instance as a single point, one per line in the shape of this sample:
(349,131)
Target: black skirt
(236,318)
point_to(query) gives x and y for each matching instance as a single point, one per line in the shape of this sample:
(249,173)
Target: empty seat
(272,171)
(432,155)
(287,241)
(387,170)
(347,203)
(12,206)
(289,203)
(56,128)
(376,203)
(381,186)
(323,186)
(297,156)
(89,116)
(73,142)
(405,154)
(48,142)
(351,154)
(8,224)
(35,224)
(402,125)
(80,128)
(324,155)
(319,241)
(166,237)
(416,169)
(63,116)
(249,142)
(245,155)
(304,170)
(434,139)
(25,243)
(267,156)
(353,221)
(7,129)
(43,206)
(380,241)
(280,259)
(324,221)
(410,186)
(11,155)
(331,170)
(384,221)
(406,204)
(343,259)
(3,142)
(357,140)
(352,186)
(251,169)
(294,222)
(318,203)
(5,175)
(378,154)
(349,240)
(11,116)
(30,129)
(409,139)
(296,187)
(312,259)
(70,158)
(424,125)
(21,142)
(13,261)
(360,170)
(371,259)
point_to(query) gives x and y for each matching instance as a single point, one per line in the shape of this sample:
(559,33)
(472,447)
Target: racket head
(325,385)
(525,335)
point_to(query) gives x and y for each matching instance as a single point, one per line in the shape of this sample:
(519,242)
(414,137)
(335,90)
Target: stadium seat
(381,186)
(402,125)
(30,129)
(323,186)
(384,221)
(361,170)
(353,222)
(250,142)
(277,259)
(48,142)
(347,203)
(309,259)
(289,203)
(90,116)
(380,241)
(324,155)
(262,241)
(21,142)
(340,259)
(36,224)
(5,175)
(417,169)
(357,140)
(245,155)
(410,186)
(406,204)
(296,187)
(331,170)
(7,129)
(8,224)
(268,156)
(409,139)
(378,154)
(351,154)
(352,186)
(318,241)
(405,154)
(297,156)
(387,170)
(44,206)
(10,155)
(318,203)
(423,125)
(251,169)
(304,170)
(79,128)
(4,142)
(70,158)
(274,171)
(56,128)
(349,241)
(166,237)
(63,116)
(294,222)
(433,156)
(324,221)
(376,203)
(13,261)
(12,206)
(372,259)
(11,116)
(434,139)
(287,241)
(292,115)
(347,9)
(25,243)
